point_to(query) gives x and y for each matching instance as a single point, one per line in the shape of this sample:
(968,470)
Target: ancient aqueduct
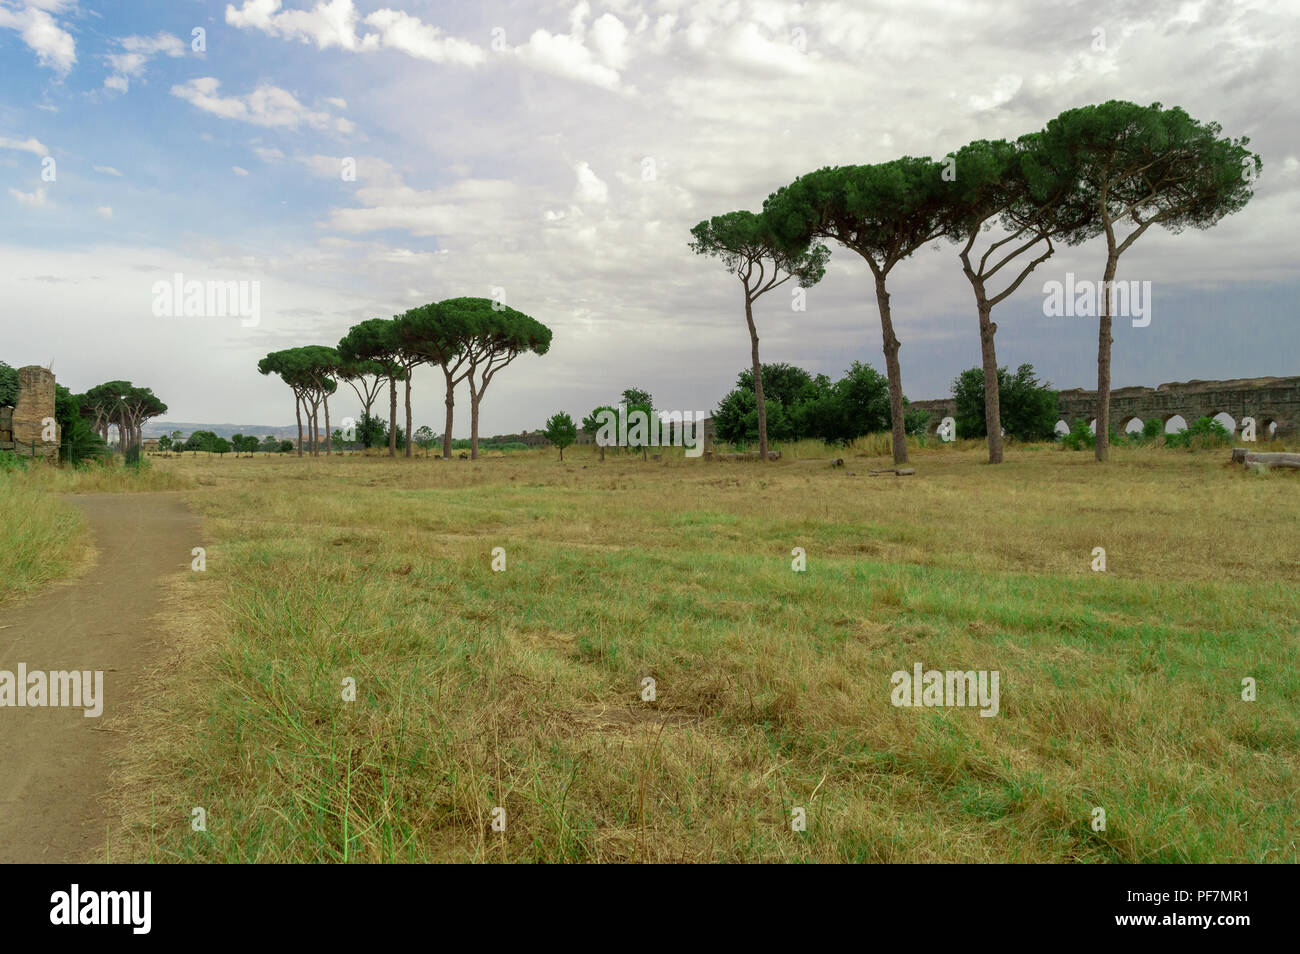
(1270,401)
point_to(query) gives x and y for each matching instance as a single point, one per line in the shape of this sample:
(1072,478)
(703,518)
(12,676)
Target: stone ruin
(22,427)
(1270,401)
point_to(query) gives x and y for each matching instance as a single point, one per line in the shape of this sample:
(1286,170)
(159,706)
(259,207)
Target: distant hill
(159,428)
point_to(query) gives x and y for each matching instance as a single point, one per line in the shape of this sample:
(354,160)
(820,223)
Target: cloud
(107,170)
(105,211)
(334,23)
(53,45)
(590,187)
(327,24)
(266,106)
(466,209)
(24,145)
(36,198)
(239,170)
(567,55)
(401,31)
(138,51)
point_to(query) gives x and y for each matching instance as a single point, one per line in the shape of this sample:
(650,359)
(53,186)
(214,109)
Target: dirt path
(54,761)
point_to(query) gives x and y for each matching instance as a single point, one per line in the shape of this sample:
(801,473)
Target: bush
(1205,432)
(1028,407)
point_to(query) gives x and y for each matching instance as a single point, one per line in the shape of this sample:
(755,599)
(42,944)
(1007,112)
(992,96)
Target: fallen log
(771,455)
(896,471)
(1249,458)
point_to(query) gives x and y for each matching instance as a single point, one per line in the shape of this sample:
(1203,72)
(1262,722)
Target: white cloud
(105,211)
(36,198)
(265,106)
(139,50)
(331,23)
(239,170)
(53,45)
(107,170)
(334,23)
(567,55)
(467,209)
(609,37)
(590,188)
(401,31)
(24,145)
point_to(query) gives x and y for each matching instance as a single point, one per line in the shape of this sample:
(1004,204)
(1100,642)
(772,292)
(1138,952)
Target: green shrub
(1203,433)
(1079,438)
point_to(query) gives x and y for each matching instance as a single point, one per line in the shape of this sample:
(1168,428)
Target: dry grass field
(522,688)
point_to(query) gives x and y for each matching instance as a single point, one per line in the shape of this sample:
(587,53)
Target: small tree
(375,340)
(425,438)
(220,446)
(8,385)
(201,441)
(593,422)
(637,397)
(745,244)
(561,431)
(165,443)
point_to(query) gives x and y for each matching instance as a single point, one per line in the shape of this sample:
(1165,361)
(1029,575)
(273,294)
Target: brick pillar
(35,404)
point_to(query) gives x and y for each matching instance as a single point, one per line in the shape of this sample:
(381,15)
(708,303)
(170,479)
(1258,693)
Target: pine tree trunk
(992,397)
(392,417)
(408,412)
(450,401)
(894,372)
(297,411)
(758,380)
(1101,429)
(473,423)
(328,436)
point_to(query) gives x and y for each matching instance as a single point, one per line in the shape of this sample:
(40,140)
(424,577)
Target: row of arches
(1265,429)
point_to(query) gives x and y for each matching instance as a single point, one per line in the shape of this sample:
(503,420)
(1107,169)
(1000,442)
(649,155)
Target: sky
(354,159)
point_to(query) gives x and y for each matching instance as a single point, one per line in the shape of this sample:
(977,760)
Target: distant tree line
(470,339)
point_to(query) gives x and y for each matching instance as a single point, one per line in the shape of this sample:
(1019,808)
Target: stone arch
(1171,427)
(1061,429)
